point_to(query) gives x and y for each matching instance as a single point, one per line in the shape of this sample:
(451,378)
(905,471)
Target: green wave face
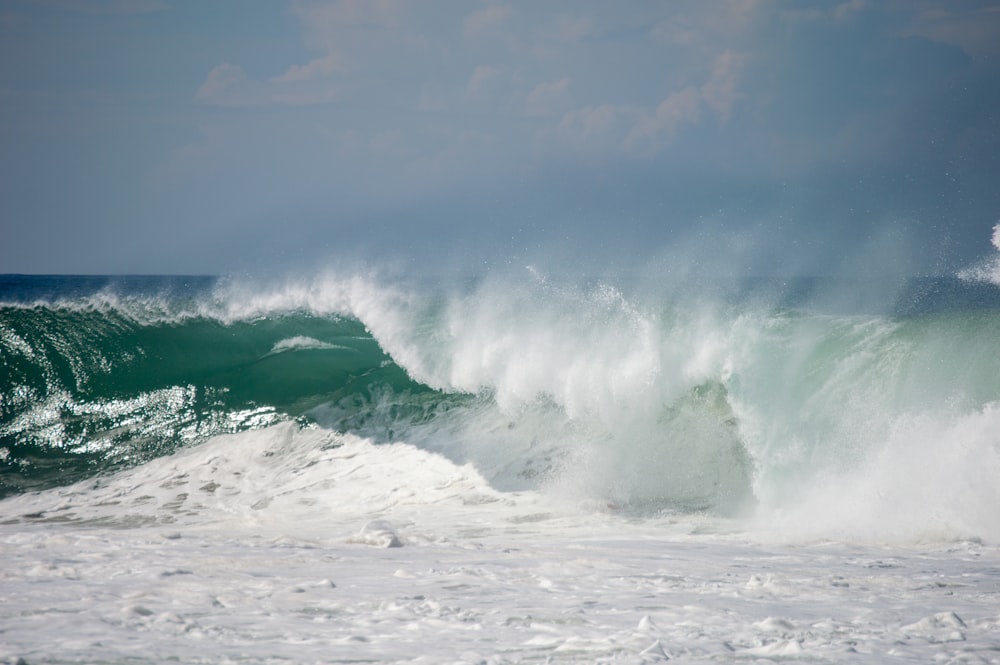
(83,390)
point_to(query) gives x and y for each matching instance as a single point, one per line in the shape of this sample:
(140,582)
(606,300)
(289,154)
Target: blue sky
(159,136)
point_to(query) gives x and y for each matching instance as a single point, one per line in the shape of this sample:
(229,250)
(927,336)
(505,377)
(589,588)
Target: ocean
(502,468)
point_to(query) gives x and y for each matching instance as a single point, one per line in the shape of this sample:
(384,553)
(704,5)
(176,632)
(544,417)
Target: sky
(758,136)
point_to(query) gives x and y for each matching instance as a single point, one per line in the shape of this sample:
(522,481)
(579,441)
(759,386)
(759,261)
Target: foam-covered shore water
(289,545)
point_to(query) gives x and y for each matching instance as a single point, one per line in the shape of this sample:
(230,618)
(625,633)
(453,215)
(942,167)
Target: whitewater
(512,468)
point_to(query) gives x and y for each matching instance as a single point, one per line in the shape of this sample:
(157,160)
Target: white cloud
(225,85)
(573,28)
(547,98)
(299,85)
(228,85)
(480,77)
(642,131)
(485,20)
(839,13)
(710,27)
(595,132)
(972,26)
(314,69)
(654,132)
(719,92)
(846,10)
(591,122)
(725,18)
(675,30)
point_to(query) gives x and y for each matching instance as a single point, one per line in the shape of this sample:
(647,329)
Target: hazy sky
(160,136)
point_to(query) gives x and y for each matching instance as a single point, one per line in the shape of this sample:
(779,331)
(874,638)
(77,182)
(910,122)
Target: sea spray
(691,404)
(651,399)
(612,399)
(988,269)
(932,479)
(862,426)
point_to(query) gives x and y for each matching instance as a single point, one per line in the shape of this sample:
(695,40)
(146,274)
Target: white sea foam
(594,395)
(257,548)
(302,343)
(987,270)
(933,480)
